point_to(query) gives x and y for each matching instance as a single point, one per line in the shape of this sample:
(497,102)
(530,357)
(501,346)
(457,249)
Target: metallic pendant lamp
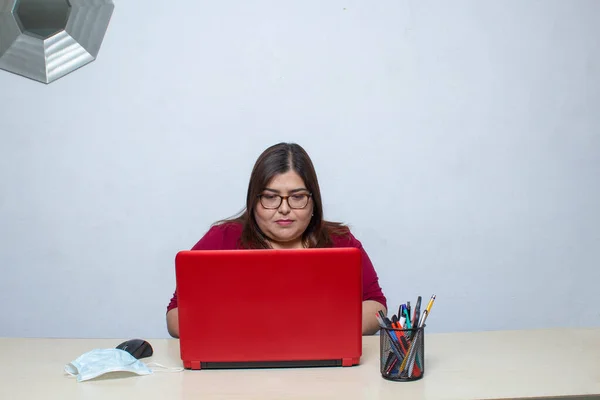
(47,39)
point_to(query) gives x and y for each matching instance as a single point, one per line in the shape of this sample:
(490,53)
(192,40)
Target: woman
(284,211)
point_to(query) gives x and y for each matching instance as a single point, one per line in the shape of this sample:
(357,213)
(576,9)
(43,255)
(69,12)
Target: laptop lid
(261,308)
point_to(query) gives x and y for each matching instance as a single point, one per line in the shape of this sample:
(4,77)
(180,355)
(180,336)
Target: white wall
(461,141)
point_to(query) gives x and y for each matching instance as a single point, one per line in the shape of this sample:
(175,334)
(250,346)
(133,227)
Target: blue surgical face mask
(101,361)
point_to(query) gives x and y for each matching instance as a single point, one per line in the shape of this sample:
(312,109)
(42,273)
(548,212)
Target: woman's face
(284,225)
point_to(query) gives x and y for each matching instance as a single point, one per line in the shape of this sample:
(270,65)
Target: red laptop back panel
(261,308)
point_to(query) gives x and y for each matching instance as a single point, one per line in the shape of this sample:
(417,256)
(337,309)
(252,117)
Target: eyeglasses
(273,201)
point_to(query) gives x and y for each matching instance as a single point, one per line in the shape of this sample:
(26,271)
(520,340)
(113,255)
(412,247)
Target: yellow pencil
(430,304)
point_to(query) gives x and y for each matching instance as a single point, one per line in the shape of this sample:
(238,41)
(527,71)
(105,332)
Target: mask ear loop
(71,370)
(164,369)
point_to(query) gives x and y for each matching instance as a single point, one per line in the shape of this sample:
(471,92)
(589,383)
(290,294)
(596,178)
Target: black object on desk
(138,348)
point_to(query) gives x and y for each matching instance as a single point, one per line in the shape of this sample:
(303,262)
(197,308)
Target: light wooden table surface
(481,365)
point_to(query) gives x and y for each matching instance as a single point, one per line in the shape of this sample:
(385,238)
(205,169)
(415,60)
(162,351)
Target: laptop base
(197,365)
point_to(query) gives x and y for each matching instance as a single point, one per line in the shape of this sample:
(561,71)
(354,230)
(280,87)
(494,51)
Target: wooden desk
(483,365)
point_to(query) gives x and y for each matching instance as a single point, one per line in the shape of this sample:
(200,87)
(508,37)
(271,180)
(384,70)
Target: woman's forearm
(173,322)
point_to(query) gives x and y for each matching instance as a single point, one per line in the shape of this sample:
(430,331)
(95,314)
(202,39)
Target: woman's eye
(268,196)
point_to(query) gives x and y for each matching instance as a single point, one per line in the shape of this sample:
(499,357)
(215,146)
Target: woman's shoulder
(221,236)
(228,227)
(341,236)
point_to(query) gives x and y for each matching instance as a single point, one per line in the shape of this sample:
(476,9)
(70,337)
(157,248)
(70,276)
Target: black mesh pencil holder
(402,353)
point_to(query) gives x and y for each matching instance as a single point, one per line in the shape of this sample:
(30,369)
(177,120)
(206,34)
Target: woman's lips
(284,222)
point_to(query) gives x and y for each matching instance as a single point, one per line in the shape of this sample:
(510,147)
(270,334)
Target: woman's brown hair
(275,160)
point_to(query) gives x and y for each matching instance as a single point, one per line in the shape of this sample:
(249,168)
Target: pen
(381,323)
(407,315)
(411,352)
(388,362)
(415,320)
(386,321)
(423,318)
(430,304)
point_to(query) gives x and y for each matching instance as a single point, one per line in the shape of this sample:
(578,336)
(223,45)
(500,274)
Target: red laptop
(269,308)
